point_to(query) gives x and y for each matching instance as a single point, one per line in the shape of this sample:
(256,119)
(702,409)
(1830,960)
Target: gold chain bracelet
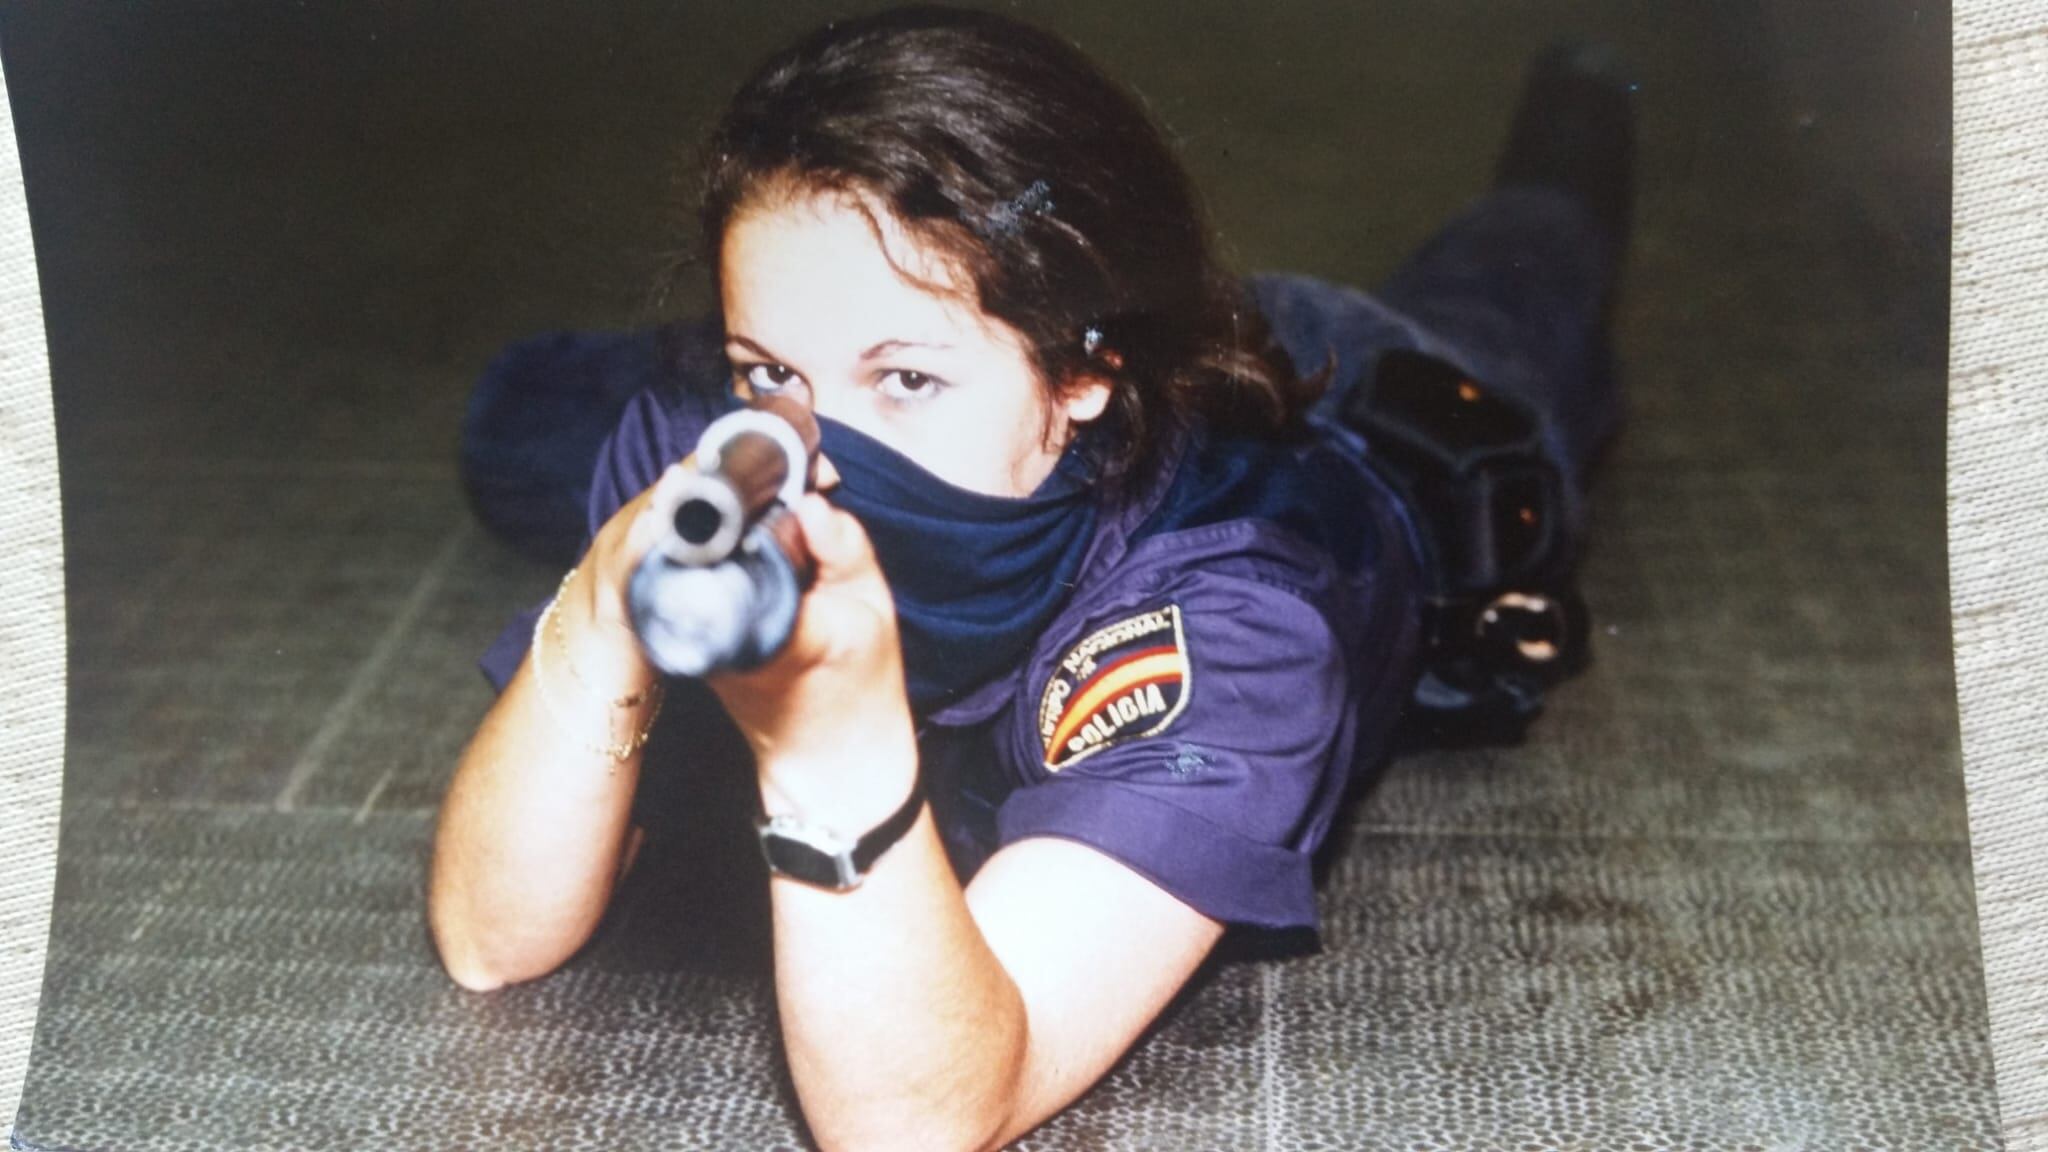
(618,750)
(633,700)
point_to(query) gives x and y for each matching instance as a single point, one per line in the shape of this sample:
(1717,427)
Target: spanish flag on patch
(1123,681)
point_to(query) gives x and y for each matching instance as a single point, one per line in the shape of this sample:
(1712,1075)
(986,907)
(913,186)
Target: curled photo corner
(1720,897)
(1997,505)
(31,631)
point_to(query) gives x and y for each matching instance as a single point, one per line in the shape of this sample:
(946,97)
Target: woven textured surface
(31,628)
(1721,900)
(1998,495)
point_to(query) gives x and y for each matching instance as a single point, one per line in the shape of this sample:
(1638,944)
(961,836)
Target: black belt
(1504,620)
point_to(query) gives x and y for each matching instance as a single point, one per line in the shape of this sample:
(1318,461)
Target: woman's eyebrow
(882,349)
(888,346)
(749,345)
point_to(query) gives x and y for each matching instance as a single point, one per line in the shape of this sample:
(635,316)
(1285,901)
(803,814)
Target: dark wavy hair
(1004,150)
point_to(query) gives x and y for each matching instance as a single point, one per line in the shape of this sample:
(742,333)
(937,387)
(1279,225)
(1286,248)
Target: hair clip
(1006,218)
(1091,339)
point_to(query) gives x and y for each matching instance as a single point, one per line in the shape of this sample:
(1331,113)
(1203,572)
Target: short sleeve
(1201,736)
(659,427)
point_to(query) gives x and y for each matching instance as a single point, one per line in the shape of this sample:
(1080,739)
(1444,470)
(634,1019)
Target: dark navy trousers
(1512,291)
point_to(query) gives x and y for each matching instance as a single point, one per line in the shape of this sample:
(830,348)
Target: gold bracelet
(633,700)
(619,750)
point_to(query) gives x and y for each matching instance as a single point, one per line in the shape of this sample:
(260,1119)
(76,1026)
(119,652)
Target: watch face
(800,861)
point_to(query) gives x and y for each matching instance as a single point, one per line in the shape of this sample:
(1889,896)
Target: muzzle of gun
(720,591)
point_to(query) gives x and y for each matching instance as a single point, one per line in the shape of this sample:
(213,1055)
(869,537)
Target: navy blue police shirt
(1244,632)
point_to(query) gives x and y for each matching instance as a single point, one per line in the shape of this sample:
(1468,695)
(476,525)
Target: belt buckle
(1533,627)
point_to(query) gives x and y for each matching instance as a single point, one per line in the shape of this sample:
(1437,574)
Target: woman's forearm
(903,1029)
(532,829)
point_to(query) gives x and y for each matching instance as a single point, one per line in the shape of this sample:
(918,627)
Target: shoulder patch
(1126,680)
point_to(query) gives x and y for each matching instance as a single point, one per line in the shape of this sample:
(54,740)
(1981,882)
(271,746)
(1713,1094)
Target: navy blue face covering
(975,577)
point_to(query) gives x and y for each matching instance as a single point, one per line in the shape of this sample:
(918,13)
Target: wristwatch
(824,859)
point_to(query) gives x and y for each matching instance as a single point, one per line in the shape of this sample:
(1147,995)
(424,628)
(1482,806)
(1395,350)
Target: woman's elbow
(470,976)
(895,1137)
(966,1122)
(469,958)
(461,959)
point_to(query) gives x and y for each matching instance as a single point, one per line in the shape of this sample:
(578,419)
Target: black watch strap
(820,859)
(882,836)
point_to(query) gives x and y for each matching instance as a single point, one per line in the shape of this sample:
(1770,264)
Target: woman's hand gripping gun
(720,591)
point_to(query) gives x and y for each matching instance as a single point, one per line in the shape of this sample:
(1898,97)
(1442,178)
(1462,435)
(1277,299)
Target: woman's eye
(767,378)
(907,385)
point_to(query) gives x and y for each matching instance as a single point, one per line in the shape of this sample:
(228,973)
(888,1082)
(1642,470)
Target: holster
(1504,620)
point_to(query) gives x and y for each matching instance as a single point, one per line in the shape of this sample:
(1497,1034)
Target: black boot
(1574,129)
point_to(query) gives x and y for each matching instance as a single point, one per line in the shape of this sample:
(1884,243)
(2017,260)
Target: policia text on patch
(1128,679)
